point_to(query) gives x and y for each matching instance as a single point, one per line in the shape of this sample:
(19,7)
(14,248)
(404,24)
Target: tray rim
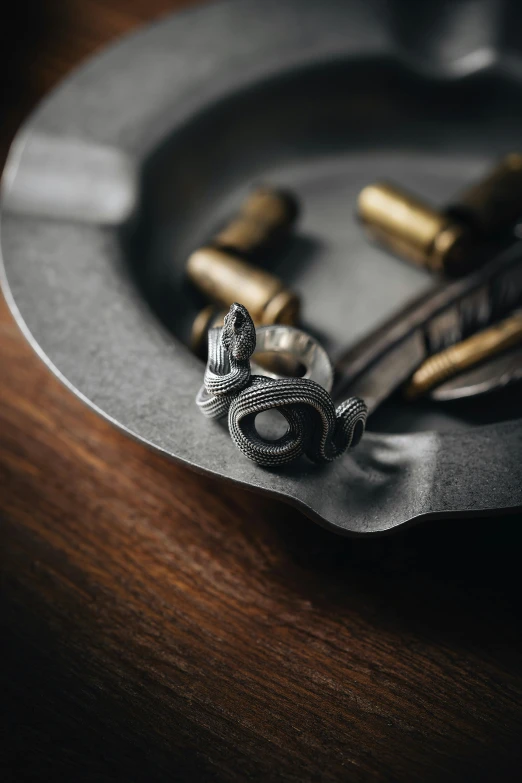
(286,491)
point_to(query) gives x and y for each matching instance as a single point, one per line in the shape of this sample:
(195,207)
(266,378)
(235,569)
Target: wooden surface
(157,625)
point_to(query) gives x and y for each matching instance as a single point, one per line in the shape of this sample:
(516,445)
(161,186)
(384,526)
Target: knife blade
(381,362)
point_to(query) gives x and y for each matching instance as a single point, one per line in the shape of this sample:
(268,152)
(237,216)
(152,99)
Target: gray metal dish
(137,156)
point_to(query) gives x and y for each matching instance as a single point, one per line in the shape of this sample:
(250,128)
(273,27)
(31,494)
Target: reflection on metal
(70,179)
(464,355)
(295,348)
(226,279)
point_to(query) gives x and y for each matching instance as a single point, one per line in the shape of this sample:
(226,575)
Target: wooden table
(157,625)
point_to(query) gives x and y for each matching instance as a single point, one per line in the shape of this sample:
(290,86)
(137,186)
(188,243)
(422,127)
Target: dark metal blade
(384,360)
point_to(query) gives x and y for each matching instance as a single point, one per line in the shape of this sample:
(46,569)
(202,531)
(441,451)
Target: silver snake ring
(315,426)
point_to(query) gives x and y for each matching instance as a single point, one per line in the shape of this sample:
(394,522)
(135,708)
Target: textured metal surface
(315,427)
(99,288)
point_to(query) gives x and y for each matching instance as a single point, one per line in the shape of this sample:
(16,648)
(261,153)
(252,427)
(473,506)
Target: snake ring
(315,426)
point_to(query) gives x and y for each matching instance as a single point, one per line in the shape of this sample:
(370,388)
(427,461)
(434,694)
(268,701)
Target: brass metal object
(446,240)
(225,278)
(466,354)
(499,372)
(222,272)
(265,218)
(241,235)
(494,203)
(412,229)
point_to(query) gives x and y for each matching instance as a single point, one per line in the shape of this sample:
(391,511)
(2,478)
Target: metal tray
(159,136)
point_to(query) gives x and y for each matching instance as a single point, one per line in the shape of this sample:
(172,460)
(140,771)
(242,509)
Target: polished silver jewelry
(315,426)
(300,346)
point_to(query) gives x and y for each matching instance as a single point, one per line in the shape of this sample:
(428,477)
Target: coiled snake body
(315,427)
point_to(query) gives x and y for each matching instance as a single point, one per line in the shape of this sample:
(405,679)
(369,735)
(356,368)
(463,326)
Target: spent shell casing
(264,220)
(412,229)
(225,278)
(494,203)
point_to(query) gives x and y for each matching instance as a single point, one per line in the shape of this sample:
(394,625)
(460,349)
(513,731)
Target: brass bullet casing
(493,204)
(463,355)
(225,279)
(265,218)
(271,206)
(412,229)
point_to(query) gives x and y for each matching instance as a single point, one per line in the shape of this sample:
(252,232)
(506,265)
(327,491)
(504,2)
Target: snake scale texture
(315,427)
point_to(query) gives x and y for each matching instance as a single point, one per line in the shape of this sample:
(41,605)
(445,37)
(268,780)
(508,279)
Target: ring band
(316,427)
(299,345)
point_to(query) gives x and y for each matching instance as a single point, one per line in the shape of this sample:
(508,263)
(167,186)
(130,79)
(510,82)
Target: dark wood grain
(157,625)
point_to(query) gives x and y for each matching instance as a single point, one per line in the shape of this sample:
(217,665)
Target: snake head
(239,333)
